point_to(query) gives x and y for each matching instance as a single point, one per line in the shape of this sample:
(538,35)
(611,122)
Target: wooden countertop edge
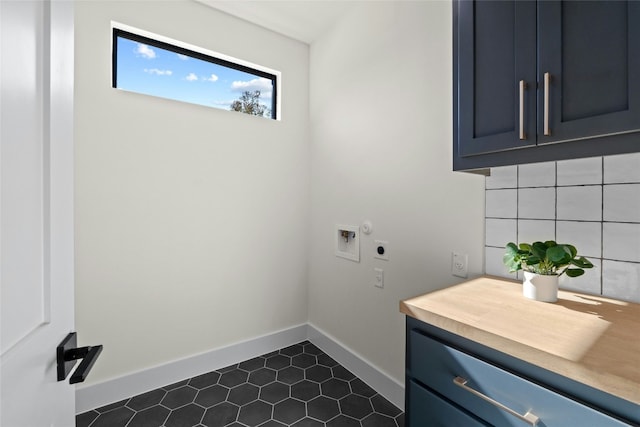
(612,384)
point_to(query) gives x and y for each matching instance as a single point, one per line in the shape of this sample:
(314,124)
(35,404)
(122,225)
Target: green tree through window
(249,103)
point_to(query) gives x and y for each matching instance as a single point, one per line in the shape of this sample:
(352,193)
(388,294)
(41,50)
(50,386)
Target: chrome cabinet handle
(523,86)
(547,81)
(529,418)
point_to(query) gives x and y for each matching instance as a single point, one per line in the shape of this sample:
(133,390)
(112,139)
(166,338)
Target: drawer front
(427,409)
(438,365)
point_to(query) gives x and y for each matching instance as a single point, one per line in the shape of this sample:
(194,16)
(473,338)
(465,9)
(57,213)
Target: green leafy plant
(547,258)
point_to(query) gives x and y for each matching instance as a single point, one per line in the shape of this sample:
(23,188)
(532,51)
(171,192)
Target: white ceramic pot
(540,287)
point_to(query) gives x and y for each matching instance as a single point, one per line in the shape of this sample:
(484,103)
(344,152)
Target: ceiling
(303,20)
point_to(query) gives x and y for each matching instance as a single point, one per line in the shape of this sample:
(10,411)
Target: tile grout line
(602,231)
(555,191)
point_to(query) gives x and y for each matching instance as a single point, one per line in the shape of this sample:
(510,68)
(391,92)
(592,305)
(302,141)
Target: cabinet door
(591,51)
(495,46)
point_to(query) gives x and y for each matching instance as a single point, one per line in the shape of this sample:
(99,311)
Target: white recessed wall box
(347,239)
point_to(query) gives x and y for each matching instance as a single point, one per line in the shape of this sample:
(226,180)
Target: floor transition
(296,386)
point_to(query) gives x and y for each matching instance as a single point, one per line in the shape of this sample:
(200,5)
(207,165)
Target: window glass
(152,67)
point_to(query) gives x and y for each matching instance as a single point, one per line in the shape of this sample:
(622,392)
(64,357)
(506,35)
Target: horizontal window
(175,70)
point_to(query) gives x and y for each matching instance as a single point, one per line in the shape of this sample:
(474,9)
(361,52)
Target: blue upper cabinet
(529,75)
(496,49)
(589,64)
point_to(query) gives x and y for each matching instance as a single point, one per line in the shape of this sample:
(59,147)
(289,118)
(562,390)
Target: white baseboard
(117,389)
(389,388)
(96,395)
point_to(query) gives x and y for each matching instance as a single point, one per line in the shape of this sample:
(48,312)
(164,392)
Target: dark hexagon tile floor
(297,386)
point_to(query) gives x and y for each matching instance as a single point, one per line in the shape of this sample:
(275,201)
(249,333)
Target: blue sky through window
(159,72)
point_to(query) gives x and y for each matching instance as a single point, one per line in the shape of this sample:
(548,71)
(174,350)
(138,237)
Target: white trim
(189,46)
(117,389)
(388,387)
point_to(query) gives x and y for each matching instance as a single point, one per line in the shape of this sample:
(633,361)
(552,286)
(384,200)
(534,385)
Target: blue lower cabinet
(427,409)
(453,387)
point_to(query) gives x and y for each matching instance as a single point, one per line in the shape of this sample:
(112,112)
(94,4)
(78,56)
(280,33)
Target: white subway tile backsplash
(622,203)
(499,232)
(493,263)
(580,171)
(502,177)
(537,175)
(589,282)
(622,168)
(580,203)
(585,236)
(621,280)
(501,203)
(592,203)
(535,230)
(538,203)
(621,241)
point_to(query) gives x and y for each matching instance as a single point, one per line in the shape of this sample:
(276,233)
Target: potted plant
(543,263)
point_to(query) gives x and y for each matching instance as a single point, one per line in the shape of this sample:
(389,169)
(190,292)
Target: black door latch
(67,353)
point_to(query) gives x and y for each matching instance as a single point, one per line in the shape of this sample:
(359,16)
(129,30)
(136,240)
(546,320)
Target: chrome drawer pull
(547,80)
(523,87)
(529,418)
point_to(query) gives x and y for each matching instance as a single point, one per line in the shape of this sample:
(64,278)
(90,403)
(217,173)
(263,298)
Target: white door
(36,210)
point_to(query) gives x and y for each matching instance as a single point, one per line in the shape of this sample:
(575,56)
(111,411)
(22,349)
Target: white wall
(191,222)
(381,131)
(591,203)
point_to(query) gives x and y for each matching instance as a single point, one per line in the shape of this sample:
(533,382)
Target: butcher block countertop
(587,338)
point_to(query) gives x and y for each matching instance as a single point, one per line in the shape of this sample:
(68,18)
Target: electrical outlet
(379,283)
(381,250)
(459,264)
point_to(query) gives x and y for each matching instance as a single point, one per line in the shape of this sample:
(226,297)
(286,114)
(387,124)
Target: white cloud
(212,78)
(191,77)
(261,84)
(182,57)
(145,51)
(158,72)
